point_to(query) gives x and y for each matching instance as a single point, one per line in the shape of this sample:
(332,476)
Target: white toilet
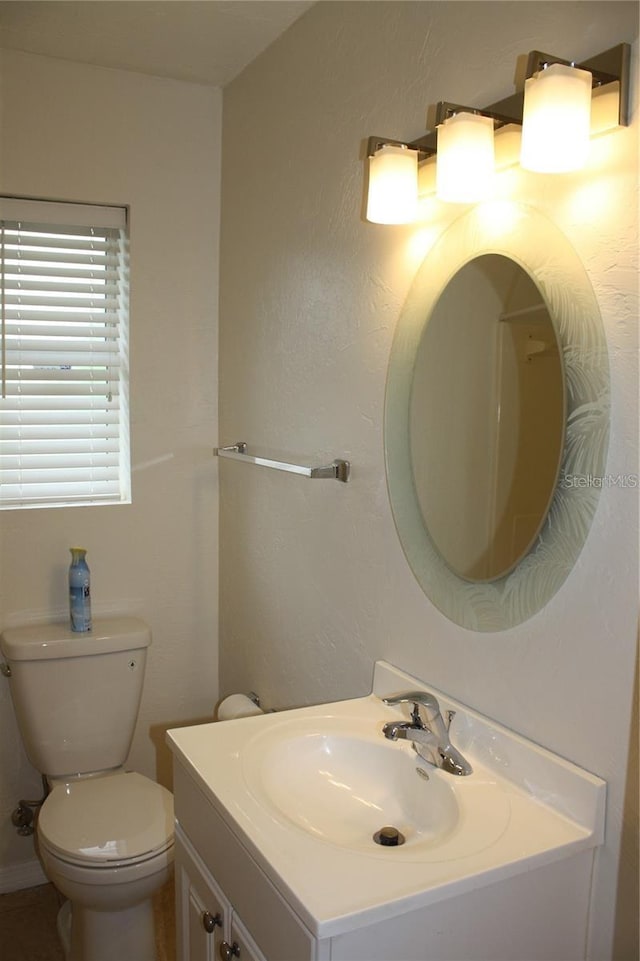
(105,835)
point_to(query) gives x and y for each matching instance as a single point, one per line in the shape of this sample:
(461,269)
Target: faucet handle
(408,698)
(424,698)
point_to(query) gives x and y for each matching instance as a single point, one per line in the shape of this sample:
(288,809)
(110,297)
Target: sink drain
(388,837)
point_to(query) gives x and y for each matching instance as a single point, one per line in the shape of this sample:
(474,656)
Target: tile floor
(28,925)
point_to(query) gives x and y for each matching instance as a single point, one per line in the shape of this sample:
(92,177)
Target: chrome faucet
(430,737)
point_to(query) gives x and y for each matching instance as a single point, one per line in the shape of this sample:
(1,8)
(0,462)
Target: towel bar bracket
(339,470)
(239,448)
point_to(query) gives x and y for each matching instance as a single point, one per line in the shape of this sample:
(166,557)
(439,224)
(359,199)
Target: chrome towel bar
(338,470)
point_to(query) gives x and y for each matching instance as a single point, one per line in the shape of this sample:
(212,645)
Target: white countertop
(554,809)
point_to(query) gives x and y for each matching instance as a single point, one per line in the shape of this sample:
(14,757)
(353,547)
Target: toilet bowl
(106,842)
(111,909)
(104,835)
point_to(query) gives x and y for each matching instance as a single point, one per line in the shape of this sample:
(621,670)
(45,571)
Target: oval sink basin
(342,785)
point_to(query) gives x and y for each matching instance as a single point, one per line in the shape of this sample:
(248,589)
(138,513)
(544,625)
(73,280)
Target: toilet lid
(118,817)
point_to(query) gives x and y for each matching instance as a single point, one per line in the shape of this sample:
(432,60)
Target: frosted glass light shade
(393,186)
(556,120)
(466,161)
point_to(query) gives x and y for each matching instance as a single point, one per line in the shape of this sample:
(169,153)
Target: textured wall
(314,584)
(81,133)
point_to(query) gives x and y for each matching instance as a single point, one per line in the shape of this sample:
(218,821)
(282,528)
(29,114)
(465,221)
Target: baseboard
(25,874)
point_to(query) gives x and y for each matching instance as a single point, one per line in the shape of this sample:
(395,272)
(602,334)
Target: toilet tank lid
(37,642)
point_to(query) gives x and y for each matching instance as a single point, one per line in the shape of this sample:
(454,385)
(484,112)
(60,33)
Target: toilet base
(88,935)
(63,925)
(110,915)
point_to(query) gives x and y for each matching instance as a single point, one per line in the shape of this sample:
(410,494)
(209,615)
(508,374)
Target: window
(64,419)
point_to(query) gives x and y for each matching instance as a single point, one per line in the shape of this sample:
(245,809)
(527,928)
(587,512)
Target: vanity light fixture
(466,158)
(562,105)
(393,184)
(556,122)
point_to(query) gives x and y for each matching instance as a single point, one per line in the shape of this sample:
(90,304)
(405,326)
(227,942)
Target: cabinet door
(205,930)
(200,915)
(241,945)
(213,847)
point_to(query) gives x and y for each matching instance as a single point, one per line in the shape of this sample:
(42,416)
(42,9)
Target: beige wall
(314,584)
(81,133)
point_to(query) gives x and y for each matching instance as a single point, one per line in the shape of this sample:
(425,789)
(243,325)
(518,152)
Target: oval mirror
(496,416)
(486,417)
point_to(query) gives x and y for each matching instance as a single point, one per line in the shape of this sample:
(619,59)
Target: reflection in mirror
(498,573)
(487,414)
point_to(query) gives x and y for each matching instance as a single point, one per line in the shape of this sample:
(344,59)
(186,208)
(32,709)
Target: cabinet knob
(229,951)
(211,921)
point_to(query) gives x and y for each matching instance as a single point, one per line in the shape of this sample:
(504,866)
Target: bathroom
(263,309)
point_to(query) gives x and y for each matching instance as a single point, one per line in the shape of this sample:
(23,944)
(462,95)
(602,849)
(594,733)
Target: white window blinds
(64,424)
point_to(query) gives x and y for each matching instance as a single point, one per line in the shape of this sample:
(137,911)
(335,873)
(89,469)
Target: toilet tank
(76,696)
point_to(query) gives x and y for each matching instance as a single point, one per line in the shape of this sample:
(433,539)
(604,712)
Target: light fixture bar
(610,85)
(607,67)
(510,112)
(502,113)
(445,109)
(376,143)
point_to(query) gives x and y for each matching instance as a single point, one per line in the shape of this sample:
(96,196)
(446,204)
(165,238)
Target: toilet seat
(114,820)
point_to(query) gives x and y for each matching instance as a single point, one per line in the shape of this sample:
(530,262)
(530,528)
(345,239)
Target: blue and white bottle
(79,591)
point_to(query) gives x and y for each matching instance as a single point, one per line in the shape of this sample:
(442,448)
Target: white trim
(62,212)
(24,874)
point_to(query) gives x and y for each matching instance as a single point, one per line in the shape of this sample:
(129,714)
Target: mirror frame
(535,243)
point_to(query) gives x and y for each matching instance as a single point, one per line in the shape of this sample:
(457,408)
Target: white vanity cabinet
(273,864)
(226,906)
(207,927)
